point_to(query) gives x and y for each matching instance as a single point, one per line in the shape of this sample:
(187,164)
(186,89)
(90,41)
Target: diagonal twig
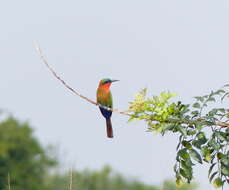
(69,87)
(217,123)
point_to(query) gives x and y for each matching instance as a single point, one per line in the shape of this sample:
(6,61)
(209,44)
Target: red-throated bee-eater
(104,98)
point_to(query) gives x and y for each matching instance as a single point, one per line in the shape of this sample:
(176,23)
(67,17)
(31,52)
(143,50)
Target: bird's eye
(106,82)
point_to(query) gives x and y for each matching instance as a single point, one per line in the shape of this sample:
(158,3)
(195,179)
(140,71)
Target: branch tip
(38,49)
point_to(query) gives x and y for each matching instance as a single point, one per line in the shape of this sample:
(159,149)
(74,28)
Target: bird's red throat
(106,86)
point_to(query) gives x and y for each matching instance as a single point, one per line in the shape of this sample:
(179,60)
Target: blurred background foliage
(107,179)
(26,165)
(22,157)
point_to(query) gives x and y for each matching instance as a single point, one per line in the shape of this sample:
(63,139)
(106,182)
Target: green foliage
(158,105)
(22,157)
(203,136)
(169,185)
(26,164)
(106,179)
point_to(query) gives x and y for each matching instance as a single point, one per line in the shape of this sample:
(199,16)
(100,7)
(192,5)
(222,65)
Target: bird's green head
(106,82)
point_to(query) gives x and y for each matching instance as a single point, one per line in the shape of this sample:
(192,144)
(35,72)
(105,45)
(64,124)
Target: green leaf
(182,130)
(211,99)
(214,144)
(201,138)
(186,144)
(199,98)
(221,135)
(186,173)
(195,155)
(212,176)
(217,183)
(220,155)
(186,164)
(191,132)
(183,154)
(195,113)
(196,105)
(227,131)
(189,174)
(225,161)
(207,157)
(179,181)
(182,172)
(197,144)
(220,91)
(222,110)
(206,153)
(225,170)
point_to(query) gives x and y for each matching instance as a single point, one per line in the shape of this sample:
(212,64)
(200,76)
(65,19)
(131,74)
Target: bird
(104,98)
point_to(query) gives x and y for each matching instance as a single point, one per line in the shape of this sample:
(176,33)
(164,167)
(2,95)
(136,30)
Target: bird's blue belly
(106,113)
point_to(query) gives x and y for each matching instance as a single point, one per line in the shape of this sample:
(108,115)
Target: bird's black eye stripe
(108,81)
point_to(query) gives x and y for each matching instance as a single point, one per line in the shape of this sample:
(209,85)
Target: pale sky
(181,46)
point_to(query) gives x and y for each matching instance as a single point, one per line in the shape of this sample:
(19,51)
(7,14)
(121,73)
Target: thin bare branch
(8,181)
(69,87)
(70,181)
(218,123)
(222,124)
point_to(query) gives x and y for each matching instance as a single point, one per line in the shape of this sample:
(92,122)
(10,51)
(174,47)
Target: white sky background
(181,46)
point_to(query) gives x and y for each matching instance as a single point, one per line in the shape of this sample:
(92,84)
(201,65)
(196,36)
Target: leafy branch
(189,121)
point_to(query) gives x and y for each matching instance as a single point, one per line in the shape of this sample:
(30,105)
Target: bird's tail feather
(109,128)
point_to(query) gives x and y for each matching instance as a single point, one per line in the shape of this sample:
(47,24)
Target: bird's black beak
(114,80)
